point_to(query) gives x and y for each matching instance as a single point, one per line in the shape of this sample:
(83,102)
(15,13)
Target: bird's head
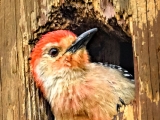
(59,50)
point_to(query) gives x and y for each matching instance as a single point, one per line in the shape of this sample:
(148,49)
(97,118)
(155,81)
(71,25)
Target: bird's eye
(53,52)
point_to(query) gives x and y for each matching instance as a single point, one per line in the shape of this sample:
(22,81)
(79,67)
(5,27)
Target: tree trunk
(145,25)
(25,21)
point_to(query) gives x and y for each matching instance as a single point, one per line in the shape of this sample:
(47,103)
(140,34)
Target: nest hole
(110,44)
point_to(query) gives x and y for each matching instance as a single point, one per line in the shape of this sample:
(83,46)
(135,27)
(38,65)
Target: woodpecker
(76,88)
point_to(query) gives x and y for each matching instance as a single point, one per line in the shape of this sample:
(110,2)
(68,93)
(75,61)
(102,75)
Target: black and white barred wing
(124,72)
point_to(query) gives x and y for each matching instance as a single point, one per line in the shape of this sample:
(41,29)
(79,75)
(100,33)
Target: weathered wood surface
(145,25)
(19,98)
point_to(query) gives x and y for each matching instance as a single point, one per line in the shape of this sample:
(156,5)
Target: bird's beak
(82,40)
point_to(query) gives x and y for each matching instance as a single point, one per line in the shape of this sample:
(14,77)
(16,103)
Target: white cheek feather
(37,70)
(54,90)
(48,82)
(52,83)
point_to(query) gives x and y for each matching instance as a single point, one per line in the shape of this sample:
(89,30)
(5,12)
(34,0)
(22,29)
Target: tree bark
(19,19)
(145,24)
(19,99)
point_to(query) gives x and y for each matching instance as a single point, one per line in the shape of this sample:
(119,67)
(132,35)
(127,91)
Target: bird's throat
(61,81)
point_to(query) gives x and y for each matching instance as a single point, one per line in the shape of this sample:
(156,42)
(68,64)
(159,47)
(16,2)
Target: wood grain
(19,98)
(19,19)
(146,42)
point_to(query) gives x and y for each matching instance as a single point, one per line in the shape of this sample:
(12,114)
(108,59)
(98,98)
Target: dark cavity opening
(110,44)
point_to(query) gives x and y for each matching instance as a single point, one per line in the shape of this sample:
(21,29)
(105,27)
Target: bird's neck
(74,73)
(62,80)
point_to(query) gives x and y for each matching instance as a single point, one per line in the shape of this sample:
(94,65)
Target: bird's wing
(124,72)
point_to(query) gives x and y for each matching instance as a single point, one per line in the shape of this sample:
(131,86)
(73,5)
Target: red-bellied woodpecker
(76,88)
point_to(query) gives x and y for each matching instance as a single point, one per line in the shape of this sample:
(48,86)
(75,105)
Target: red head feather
(50,37)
